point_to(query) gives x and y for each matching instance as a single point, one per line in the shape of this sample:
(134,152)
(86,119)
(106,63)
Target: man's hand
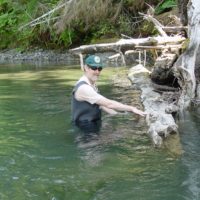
(139,112)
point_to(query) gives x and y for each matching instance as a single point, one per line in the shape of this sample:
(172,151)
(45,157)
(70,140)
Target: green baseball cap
(93,61)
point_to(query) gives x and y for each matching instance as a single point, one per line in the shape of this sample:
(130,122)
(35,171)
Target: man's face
(93,73)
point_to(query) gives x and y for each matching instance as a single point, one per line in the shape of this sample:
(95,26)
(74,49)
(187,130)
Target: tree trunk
(186,63)
(182,6)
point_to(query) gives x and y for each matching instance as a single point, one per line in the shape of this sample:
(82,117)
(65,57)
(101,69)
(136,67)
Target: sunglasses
(96,68)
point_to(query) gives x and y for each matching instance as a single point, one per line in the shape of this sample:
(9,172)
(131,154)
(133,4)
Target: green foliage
(8,21)
(165,6)
(125,25)
(148,28)
(103,29)
(66,37)
(14,14)
(24,39)
(83,22)
(185,44)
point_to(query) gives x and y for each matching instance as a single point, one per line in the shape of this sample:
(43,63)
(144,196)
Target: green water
(42,157)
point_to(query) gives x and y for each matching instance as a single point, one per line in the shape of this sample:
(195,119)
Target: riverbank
(42,57)
(37,56)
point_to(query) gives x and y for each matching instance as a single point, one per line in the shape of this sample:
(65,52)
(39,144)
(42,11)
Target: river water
(42,156)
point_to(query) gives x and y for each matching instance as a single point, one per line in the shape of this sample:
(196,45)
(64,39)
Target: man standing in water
(87,103)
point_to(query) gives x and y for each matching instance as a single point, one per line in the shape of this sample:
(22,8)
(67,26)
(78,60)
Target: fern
(165,6)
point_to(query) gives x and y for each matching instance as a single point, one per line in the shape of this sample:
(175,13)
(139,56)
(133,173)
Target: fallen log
(159,119)
(128,44)
(175,29)
(161,47)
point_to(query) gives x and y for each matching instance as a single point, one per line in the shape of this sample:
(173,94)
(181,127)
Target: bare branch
(157,24)
(36,21)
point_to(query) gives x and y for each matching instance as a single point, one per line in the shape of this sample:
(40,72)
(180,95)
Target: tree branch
(36,21)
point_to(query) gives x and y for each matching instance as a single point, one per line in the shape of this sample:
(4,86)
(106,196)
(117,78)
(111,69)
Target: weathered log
(159,119)
(175,29)
(182,7)
(184,68)
(162,88)
(173,46)
(127,44)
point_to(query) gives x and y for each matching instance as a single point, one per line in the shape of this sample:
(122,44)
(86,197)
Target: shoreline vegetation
(25,25)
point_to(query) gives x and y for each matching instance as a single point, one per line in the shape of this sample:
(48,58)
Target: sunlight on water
(42,156)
